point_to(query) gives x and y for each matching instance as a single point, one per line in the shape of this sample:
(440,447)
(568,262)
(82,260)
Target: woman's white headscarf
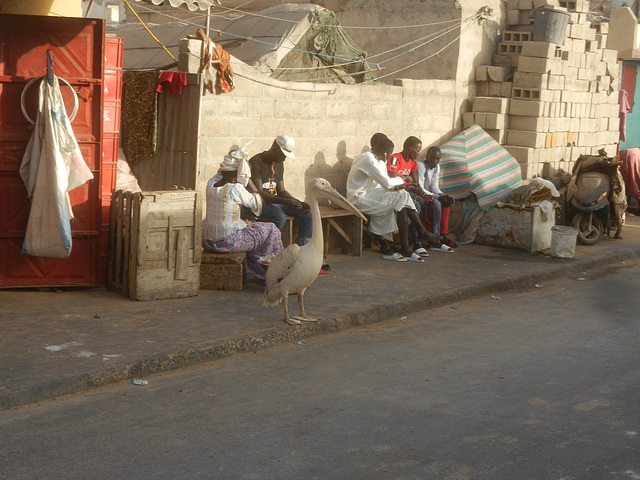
(237,160)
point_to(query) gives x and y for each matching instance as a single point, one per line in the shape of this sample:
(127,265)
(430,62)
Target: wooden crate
(222,271)
(155,244)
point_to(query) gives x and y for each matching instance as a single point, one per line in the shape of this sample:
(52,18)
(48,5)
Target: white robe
(369,188)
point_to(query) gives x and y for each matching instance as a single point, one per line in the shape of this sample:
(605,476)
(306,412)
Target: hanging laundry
(51,167)
(174,81)
(625,107)
(215,57)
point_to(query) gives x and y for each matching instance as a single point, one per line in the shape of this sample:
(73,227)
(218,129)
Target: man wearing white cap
(267,171)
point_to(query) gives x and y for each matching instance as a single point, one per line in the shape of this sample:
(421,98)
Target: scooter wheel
(590,230)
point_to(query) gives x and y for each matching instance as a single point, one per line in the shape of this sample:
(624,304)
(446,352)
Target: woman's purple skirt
(260,240)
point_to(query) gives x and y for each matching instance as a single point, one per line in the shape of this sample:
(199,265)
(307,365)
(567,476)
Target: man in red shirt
(403,164)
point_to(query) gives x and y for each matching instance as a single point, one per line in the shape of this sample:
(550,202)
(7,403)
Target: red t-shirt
(397,163)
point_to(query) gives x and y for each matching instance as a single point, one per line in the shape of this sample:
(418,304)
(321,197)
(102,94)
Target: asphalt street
(537,383)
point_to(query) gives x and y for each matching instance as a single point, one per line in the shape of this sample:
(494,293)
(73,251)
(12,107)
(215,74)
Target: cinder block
(614,123)
(530,80)
(499,135)
(468,119)
(559,124)
(603,123)
(539,65)
(576,30)
(511,48)
(602,40)
(482,89)
(522,154)
(498,74)
(577,45)
(496,121)
(571,58)
(609,56)
(526,139)
(568,71)
(590,34)
(532,124)
(516,36)
(585,74)
(506,89)
(555,82)
(481,73)
(512,4)
(527,108)
(590,59)
(491,105)
(494,89)
(532,94)
(530,170)
(599,69)
(590,46)
(541,50)
(575,85)
(513,17)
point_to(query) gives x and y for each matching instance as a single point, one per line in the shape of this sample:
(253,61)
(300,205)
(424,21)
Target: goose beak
(333,195)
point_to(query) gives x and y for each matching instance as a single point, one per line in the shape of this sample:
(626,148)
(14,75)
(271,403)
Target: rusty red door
(77,45)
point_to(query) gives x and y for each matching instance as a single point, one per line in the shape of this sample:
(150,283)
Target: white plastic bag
(51,167)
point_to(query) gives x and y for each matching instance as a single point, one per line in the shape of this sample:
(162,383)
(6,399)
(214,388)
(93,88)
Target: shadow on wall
(335,174)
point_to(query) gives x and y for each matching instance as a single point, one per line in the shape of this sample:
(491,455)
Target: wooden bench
(222,271)
(334,219)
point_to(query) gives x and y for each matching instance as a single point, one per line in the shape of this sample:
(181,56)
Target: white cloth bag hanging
(51,167)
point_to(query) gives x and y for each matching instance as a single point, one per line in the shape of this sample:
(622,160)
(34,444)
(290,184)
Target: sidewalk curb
(275,336)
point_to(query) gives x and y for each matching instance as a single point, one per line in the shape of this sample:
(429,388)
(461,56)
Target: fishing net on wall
(324,54)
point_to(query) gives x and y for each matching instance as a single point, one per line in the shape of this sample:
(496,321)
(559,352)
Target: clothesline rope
(346,60)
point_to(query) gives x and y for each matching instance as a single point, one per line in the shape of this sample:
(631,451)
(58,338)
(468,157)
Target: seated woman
(223,231)
(384,200)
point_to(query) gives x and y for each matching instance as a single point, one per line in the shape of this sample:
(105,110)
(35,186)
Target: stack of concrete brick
(546,103)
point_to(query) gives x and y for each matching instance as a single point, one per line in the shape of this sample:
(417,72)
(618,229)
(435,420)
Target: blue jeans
(277,214)
(435,215)
(433,210)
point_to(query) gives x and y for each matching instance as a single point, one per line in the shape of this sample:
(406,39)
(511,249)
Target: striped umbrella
(473,161)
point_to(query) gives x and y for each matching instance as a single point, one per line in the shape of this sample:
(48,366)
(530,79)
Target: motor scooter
(588,197)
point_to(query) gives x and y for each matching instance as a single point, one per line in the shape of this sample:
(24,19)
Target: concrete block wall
(563,99)
(330,123)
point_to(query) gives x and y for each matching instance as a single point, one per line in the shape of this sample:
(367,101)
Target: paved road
(541,383)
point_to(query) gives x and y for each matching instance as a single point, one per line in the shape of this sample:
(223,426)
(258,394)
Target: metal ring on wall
(30,82)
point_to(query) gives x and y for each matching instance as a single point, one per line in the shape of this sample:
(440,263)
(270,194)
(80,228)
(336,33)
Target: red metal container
(78,47)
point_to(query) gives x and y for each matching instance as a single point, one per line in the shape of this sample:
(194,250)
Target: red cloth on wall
(625,107)
(174,81)
(630,171)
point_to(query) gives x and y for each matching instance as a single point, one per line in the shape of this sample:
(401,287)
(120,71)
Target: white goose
(295,268)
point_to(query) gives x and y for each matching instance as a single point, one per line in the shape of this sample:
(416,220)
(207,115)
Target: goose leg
(303,316)
(287,319)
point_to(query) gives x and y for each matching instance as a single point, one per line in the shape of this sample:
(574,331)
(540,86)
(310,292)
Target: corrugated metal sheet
(191,4)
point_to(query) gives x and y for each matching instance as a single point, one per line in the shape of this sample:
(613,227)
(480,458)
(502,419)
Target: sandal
(448,242)
(421,252)
(415,258)
(396,257)
(442,248)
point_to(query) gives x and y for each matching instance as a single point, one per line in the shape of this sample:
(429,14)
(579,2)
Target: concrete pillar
(625,25)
